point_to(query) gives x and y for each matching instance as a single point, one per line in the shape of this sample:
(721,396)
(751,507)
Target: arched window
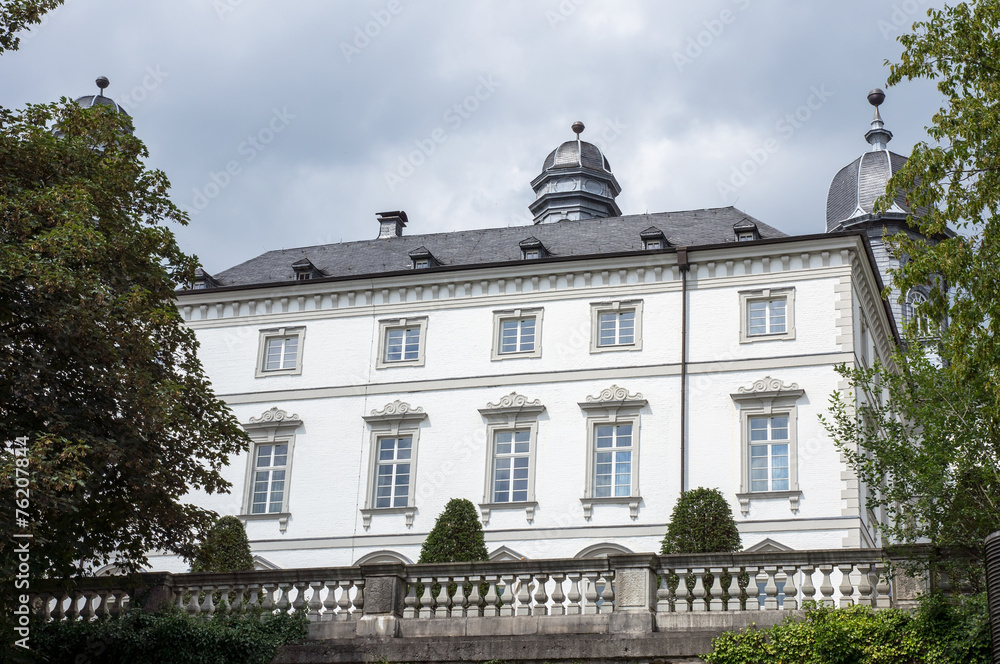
(911,312)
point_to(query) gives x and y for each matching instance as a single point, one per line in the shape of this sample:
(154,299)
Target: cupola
(576,182)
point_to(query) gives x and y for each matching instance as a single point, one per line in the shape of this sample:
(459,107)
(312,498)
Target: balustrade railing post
(634,582)
(152,591)
(385,590)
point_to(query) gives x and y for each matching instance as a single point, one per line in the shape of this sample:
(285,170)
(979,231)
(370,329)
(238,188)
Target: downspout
(684,266)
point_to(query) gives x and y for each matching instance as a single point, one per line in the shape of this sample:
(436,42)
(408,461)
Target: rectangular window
(612,460)
(280,351)
(769,446)
(767,314)
(616,326)
(392,475)
(401,342)
(270,467)
(517,333)
(511,465)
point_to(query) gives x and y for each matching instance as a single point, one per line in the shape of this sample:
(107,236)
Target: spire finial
(878,136)
(102,83)
(578,128)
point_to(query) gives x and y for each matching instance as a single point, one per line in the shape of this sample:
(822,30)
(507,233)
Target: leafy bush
(457,535)
(171,637)
(225,548)
(701,523)
(937,632)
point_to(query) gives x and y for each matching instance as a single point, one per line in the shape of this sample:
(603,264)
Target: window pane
(777,317)
(626,327)
(412,351)
(394,346)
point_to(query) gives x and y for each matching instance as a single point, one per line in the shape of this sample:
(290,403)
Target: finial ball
(578,127)
(103,82)
(876,97)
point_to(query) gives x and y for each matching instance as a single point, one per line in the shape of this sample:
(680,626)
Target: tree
(701,523)
(99,377)
(17,15)
(457,535)
(225,548)
(924,432)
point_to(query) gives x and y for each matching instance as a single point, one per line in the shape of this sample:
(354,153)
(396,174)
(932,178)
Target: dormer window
(304,270)
(746,231)
(203,280)
(653,239)
(532,249)
(422,258)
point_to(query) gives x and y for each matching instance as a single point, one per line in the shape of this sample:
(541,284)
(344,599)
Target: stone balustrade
(633,592)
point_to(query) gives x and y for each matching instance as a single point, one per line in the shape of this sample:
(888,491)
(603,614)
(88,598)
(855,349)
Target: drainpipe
(684,266)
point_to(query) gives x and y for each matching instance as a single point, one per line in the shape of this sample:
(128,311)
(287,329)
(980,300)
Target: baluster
(771,590)
(441,609)
(608,595)
(733,603)
(58,611)
(558,597)
(238,600)
(284,601)
(490,601)
(590,593)
(866,592)
(460,600)
(882,588)
(790,603)
(102,610)
(715,591)
(808,589)
(267,597)
(752,590)
(681,604)
(944,583)
(426,608)
(475,598)
(314,602)
(359,599)
(699,590)
(44,611)
(826,586)
(507,598)
(846,587)
(194,606)
(663,592)
(409,602)
(87,614)
(208,605)
(574,608)
(223,604)
(180,605)
(300,596)
(253,596)
(467,596)
(523,594)
(73,608)
(541,597)
(344,602)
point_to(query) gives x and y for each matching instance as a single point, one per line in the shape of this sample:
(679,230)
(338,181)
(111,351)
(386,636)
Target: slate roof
(858,185)
(567,155)
(589,237)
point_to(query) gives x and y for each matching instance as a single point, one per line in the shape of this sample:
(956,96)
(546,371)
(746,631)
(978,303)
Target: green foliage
(938,633)
(926,434)
(457,535)
(18,15)
(168,638)
(225,548)
(701,522)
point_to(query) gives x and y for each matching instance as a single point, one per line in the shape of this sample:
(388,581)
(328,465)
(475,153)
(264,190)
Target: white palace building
(570,377)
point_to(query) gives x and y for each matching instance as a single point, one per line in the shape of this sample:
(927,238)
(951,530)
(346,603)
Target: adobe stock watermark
(454,118)
(138,93)
(785,128)
(248,149)
(565,9)
(225,7)
(704,39)
(22,535)
(364,34)
(900,19)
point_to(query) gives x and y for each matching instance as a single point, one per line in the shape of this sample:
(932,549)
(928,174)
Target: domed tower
(88,101)
(851,202)
(576,182)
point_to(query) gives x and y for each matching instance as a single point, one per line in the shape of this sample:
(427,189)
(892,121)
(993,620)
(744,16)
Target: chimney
(391,223)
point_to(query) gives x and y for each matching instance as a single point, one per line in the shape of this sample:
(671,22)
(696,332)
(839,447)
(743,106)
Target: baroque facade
(571,377)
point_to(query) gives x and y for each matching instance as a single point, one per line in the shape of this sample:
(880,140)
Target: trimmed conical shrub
(224,549)
(701,523)
(457,535)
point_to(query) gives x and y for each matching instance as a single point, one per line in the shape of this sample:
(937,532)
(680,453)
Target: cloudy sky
(291,124)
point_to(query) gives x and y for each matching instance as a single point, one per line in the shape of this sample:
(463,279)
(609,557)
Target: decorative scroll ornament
(614,393)
(275,415)
(768,384)
(397,407)
(513,400)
